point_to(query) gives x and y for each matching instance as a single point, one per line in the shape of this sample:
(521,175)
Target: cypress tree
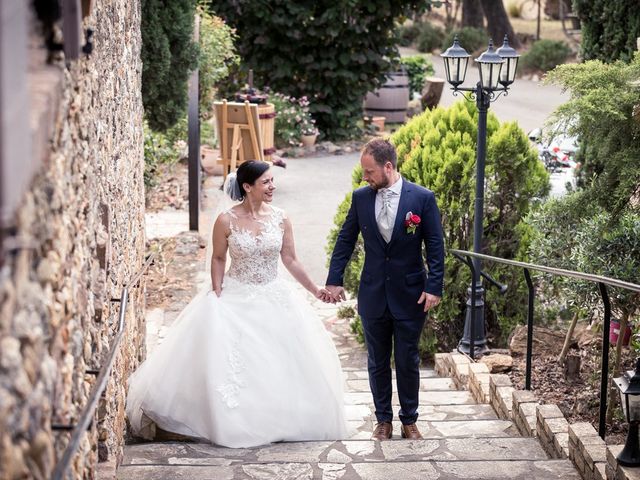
(168,57)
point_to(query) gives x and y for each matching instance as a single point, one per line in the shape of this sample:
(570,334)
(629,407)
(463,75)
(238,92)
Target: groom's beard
(384,183)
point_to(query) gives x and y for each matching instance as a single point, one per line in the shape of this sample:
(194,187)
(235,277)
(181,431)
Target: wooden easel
(239,133)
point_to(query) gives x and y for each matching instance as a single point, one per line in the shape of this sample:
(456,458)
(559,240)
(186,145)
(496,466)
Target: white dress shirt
(394,200)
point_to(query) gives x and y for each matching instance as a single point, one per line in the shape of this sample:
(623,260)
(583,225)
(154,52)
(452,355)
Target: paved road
(310,190)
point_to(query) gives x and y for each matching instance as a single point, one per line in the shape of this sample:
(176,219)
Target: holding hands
(336,294)
(331,294)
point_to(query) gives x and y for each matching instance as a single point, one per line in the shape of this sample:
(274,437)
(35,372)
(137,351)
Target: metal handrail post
(604,370)
(530,287)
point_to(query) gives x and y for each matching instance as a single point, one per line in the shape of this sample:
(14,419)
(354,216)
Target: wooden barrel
(390,100)
(267,116)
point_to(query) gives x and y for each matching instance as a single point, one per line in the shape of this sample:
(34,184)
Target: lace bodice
(254,256)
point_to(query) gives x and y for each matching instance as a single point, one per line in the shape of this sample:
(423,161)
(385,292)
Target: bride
(247,362)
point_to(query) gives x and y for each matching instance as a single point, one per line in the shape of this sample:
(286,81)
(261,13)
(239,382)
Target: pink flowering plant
(292,119)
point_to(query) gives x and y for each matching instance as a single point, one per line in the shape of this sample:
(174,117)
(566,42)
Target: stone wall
(79,237)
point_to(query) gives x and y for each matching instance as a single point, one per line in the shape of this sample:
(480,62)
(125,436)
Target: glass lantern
(629,387)
(490,65)
(510,57)
(456,59)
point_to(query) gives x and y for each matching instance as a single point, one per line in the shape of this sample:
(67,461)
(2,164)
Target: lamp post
(497,70)
(629,387)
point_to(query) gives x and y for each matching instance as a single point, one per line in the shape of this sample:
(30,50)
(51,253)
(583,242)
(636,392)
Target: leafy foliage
(437,150)
(470,38)
(217,56)
(551,238)
(545,55)
(574,234)
(159,148)
(609,29)
(613,251)
(598,226)
(603,112)
(418,68)
(168,56)
(331,52)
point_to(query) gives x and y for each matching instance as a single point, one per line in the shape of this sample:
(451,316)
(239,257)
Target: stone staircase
(463,439)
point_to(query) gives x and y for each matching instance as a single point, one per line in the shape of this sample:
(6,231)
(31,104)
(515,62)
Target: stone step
(448,429)
(450,397)
(431,412)
(494,458)
(500,470)
(426,385)
(346,451)
(360,374)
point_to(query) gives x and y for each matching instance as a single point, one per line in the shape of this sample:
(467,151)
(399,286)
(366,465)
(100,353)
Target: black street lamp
(629,387)
(495,68)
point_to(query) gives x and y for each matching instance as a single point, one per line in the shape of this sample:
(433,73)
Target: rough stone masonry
(79,237)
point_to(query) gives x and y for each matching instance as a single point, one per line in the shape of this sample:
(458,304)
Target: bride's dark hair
(249,172)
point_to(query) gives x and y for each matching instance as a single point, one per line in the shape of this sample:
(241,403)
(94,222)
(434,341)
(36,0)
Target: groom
(395,218)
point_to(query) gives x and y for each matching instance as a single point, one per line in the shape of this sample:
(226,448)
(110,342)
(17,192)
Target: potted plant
(308,132)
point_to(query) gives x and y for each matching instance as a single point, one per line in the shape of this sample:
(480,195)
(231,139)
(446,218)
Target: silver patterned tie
(384,217)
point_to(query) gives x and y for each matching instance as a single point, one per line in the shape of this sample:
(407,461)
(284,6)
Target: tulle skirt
(251,367)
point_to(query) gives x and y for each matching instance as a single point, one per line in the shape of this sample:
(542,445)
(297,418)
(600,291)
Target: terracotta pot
(209,160)
(309,140)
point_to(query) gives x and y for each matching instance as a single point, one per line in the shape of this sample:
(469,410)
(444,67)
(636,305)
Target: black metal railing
(88,412)
(602,283)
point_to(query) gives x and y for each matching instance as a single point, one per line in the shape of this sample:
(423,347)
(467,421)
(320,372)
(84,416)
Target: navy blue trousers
(384,335)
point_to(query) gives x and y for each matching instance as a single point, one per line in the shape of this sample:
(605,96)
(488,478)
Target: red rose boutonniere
(411,222)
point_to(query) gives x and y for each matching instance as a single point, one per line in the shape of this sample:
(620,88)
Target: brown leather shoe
(410,431)
(382,431)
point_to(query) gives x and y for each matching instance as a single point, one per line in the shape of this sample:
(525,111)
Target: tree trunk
(498,23)
(567,339)
(552,8)
(431,92)
(472,14)
(613,391)
(571,367)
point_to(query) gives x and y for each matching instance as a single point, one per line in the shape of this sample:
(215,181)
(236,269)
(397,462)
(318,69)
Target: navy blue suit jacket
(394,274)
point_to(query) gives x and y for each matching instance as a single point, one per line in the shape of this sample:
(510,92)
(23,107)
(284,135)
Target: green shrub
(408,33)
(574,233)
(418,68)
(159,148)
(514,8)
(357,329)
(346,312)
(437,150)
(331,52)
(470,38)
(545,55)
(217,55)
(609,29)
(429,37)
(168,57)
(603,112)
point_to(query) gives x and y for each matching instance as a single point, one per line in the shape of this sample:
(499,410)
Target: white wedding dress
(250,367)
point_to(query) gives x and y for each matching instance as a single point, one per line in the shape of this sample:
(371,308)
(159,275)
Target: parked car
(556,149)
